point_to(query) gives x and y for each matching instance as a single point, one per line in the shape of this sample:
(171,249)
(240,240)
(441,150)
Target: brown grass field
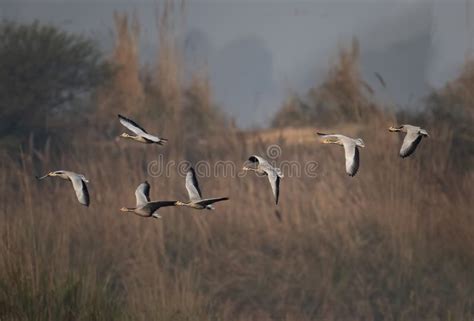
(396,242)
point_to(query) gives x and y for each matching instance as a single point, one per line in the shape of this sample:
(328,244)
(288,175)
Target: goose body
(78,183)
(140,134)
(351,149)
(195,197)
(413,136)
(144,207)
(263,167)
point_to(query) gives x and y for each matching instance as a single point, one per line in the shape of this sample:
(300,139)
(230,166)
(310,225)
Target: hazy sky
(257,51)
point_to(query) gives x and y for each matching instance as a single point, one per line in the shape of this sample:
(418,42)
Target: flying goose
(141,135)
(264,168)
(413,137)
(144,207)
(78,183)
(351,149)
(195,198)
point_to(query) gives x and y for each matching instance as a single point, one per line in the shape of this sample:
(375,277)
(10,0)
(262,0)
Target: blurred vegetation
(44,74)
(160,95)
(342,97)
(393,243)
(452,108)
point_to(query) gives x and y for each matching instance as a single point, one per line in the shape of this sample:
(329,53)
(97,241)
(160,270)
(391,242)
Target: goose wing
(332,137)
(327,135)
(352,158)
(152,207)
(262,163)
(209,201)
(192,185)
(274,179)
(258,160)
(274,174)
(142,194)
(132,126)
(151,137)
(80,188)
(410,142)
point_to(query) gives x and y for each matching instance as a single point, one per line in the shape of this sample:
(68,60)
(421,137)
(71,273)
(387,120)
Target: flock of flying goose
(146,208)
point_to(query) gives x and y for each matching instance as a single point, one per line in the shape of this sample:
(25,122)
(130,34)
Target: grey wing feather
(152,207)
(192,186)
(132,126)
(274,179)
(142,194)
(352,159)
(255,159)
(410,142)
(81,189)
(263,164)
(209,201)
(324,134)
(151,137)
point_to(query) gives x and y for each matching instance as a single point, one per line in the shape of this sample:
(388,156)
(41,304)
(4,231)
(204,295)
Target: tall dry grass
(161,95)
(393,243)
(124,93)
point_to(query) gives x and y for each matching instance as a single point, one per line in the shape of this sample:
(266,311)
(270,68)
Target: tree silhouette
(43,70)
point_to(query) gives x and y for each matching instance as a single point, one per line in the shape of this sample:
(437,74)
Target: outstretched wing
(142,194)
(352,158)
(132,126)
(152,207)
(210,201)
(274,174)
(410,142)
(262,162)
(324,134)
(153,138)
(275,184)
(331,137)
(192,186)
(264,165)
(80,188)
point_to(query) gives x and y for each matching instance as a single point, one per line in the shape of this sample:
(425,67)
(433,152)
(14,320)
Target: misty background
(257,52)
